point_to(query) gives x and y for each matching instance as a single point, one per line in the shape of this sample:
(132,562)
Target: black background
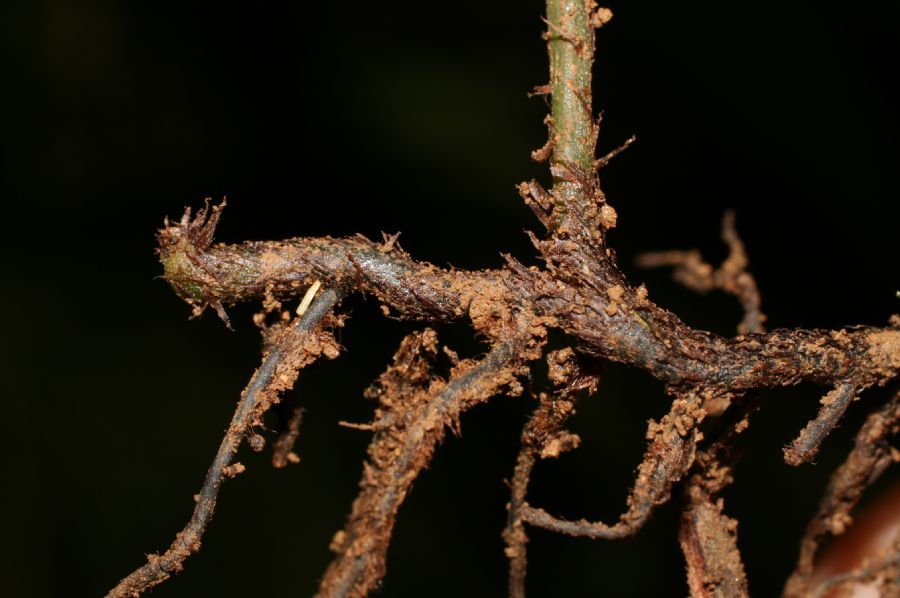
(338,118)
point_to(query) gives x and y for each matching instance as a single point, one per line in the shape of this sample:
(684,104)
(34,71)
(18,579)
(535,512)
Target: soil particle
(560,444)
(234,470)
(257,443)
(608,216)
(615,294)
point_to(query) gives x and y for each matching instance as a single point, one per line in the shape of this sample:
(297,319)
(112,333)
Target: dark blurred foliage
(337,118)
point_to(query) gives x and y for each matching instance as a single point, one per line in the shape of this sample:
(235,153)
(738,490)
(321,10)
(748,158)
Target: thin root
(668,458)
(298,346)
(834,404)
(416,409)
(731,277)
(543,436)
(870,457)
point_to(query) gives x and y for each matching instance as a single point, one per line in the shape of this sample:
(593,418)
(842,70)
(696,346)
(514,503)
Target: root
(299,345)
(543,436)
(670,454)
(416,408)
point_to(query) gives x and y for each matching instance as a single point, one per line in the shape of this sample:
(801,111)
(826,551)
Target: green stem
(571,44)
